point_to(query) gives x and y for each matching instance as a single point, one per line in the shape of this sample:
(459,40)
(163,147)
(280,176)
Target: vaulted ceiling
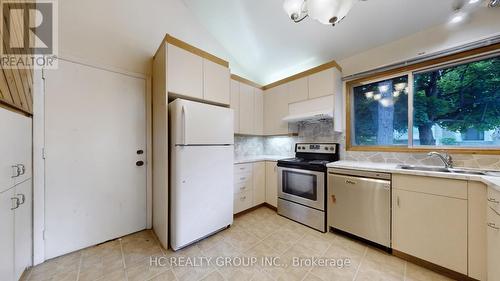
(268,46)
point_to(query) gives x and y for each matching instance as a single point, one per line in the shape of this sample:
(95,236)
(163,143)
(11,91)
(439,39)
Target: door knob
(139,163)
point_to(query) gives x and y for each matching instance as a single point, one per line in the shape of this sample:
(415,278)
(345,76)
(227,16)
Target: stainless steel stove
(302,183)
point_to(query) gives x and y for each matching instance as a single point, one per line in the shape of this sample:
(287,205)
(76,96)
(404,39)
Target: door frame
(39,145)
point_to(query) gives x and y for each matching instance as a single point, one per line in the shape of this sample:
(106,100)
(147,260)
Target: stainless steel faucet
(445,157)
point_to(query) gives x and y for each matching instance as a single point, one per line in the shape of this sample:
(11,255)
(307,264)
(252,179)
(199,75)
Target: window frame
(410,71)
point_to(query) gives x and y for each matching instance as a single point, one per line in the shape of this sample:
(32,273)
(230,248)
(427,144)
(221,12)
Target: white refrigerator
(201,179)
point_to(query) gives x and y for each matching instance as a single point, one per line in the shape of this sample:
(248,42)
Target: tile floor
(261,233)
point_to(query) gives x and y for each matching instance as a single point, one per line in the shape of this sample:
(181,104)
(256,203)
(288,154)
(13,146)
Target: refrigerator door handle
(184,113)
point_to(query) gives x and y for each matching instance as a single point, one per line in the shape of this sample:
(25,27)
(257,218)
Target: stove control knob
(332,148)
(326,148)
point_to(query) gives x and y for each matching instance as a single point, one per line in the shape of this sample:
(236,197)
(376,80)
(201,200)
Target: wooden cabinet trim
(246,81)
(308,72)
(192,49)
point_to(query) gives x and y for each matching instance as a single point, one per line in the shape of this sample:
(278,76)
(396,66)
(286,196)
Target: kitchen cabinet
(275,109)
(493,234)
(258,127)
(298,90)
(322,83)
(16,231)
(272,183)
(185,72)
(216,82)
(243,187)
(235,104)
(477,230)
(429,220)
(259,183)
(22,228)
(7,235)
(247,109)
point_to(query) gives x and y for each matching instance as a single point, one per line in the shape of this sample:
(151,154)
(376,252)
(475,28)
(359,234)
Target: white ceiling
(268,46)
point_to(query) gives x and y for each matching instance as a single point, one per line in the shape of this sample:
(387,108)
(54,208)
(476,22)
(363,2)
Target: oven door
(302,186)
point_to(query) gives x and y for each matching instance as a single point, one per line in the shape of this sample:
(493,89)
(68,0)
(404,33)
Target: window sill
(480,151)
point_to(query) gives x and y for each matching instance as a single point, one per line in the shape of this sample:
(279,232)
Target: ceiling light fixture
(458,17)
(324,11)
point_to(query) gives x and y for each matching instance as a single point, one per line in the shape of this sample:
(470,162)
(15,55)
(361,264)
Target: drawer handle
(493,200)
(15,203)
(494,226)
(243,178)
(243,187)
(23,198)
(243,198)
(16,171)
(242,168)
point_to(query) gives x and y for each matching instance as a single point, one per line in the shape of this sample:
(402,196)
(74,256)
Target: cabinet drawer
(243,168)
(494,199)
(242,201)
(243,186)
(431,185)
(242,177)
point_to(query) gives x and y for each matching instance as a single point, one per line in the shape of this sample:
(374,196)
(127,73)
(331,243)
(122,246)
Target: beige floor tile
(241,240)
(261,234)
(214,276)
(165,276)
(417,273)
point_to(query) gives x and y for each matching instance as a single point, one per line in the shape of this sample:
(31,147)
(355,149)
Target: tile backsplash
(322,131)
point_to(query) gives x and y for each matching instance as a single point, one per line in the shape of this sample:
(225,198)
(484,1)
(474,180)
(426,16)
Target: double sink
(450,170)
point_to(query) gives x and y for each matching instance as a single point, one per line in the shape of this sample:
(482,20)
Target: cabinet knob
(493,200)
(139,163)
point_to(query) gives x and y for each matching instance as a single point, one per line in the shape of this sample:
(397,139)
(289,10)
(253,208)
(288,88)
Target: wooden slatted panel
(16,85)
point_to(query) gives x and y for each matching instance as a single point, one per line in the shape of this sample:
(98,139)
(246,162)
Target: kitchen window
(452,106)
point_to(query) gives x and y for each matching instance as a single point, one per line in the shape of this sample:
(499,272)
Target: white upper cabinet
(275,109)
(247,109)
(185,73)
(258,112)
(298,90)
(322,83)
(235,104)
(216,82)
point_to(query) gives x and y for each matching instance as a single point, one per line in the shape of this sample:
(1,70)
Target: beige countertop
(493,182)
(259,158)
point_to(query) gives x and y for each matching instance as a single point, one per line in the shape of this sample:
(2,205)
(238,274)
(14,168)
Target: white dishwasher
(359,203)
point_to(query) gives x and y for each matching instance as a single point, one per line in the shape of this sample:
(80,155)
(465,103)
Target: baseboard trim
(433,267)
(255,208)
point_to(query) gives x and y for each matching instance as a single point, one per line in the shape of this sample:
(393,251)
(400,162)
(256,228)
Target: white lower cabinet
(6,235)
(16,231)
(272,184)
(254,184)
(259,183)
(493,234)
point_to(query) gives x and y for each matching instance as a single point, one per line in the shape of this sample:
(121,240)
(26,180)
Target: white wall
(126,34)
(484,23)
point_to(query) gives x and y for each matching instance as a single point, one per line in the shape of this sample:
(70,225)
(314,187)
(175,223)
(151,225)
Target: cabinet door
(184,73)
(258,112)
(259,183)
(272,184)
(431,227)
(247,109)
(12,146)
(6,236)
(216,82)
(22,228)
(298,90)
(235,104)
(321,83)
(275,109)
(493,234)
(24,145)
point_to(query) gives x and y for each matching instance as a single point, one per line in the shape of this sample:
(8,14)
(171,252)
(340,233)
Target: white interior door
(95,122)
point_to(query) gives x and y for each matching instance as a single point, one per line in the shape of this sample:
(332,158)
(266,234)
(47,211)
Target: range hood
(309,116)
(310,110)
